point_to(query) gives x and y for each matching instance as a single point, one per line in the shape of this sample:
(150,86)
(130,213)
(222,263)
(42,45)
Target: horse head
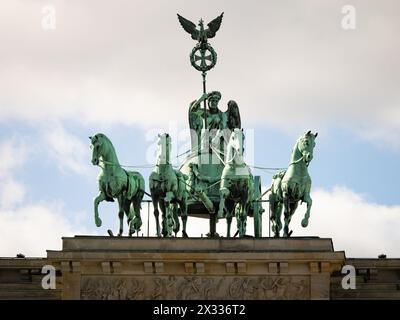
(99,143)
(236,141)
(306,145)
(163,148)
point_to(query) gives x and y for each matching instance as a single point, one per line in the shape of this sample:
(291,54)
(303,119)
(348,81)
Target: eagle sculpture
(201,34)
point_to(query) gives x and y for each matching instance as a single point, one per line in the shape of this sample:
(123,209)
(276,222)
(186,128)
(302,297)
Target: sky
(70,69)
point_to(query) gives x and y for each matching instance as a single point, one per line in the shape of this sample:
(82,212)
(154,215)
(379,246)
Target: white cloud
(356,225)
(32,229)
(11,193)
(13,154)
(66,149)
(26,227)
(290,69)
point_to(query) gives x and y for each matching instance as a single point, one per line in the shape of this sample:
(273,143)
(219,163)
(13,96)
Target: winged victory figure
(201,34)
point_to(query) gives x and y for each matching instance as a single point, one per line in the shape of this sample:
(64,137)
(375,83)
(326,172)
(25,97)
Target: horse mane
(104,137)
(300,139)
(296,145)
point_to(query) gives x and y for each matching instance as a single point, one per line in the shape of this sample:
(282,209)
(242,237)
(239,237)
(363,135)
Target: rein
(217,152)
(296,161)
(125,166)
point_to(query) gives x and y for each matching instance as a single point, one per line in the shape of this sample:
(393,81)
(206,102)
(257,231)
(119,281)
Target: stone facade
(375,279)
(190,269)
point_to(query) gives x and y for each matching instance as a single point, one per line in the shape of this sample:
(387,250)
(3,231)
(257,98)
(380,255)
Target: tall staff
(203,57)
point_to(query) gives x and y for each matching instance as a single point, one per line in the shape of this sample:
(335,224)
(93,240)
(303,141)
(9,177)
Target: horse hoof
(110,233)
(184,234)
(98,222)
(304,223)
(285,235)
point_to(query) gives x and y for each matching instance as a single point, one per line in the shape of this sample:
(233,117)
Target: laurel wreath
(206,67)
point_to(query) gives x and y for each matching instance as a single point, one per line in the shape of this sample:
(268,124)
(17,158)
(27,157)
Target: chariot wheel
(257,208)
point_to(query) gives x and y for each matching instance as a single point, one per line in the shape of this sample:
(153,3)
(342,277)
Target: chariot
(204,169)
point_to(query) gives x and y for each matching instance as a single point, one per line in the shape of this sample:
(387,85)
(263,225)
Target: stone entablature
(176,268)
(138,268)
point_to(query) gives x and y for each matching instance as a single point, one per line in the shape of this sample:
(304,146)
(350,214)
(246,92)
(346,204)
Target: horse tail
(136,187)
(177,225)
(137,199)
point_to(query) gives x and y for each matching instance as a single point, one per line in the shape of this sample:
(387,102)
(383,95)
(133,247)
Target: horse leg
(163,217)
(276,212)
(177,225)
(291,208)
(307,199)
(243,218)
(279,209)
(228,226)
(169,219)
(155,200)
(129,216)
(184,221)
(183,208)
(101,197)
(121,216)
(228,223)
(238,212)
(134,219)
(224,193)
(286,209)
(237,216)
(137,219)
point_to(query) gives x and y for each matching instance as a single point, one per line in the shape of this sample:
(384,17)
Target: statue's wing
(233,116)
(237,116)
(189,27)
(213,26)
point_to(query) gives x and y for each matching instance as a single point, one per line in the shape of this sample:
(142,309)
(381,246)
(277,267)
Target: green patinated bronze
(236,184)
(114,182)
(213,182)
(205,124)
(168,191)
(292,185)
(220,184)
(203,57)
